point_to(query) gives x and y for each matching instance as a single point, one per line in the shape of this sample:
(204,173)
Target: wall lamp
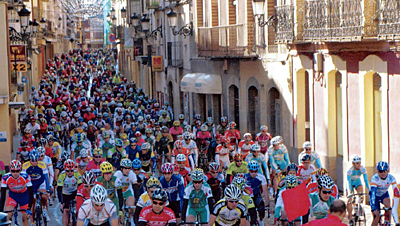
(258,11)
(186,30)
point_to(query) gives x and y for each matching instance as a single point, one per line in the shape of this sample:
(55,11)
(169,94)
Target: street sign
(157,63)
(19,67)
(112,37)
(24,79)
(18,53)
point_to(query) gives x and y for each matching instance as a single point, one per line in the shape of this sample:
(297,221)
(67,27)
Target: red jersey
(94,168)
(147,215)
(331,220)
(18,185)
(245,148)
(49,152)
(263,141)
(82,195)
(203,137)
(235,135)
(30,140)
(185,151)
(174,133)
(184,173)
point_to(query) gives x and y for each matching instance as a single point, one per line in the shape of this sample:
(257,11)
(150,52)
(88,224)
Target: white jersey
(126,181)
(49,168)
(145,200)
(87,211)
(191,146)
(383,185)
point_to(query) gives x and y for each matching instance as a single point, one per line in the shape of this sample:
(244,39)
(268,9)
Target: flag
(296,201)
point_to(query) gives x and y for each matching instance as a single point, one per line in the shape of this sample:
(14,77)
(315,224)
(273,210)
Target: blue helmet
(118,142)
(136,164)
(382,166)
(79,137)
(253,165)
(34,155)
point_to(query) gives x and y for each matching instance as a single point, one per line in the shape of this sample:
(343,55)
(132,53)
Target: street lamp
(112,11)
(24,14)
(145,22)
(42,24)
(123,12)
(35,26)
(134,20)
(186,30)
(172,19)
(258,11)
(113,18)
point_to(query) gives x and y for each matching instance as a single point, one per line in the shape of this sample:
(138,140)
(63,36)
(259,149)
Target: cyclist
(141,176)
(240,181)
(263,138)
(112,184)
(23,151)
(129,183)
(132,149)
(48,171)
(245,145)
(313,186)
(230,210)
(180,150)
(20,191)
(106,143)
(94,164)
(173,185)
(280,213)
(233,134)
(176,130)
(83,192)
(78,145)
(305,169)
(198,199)
(222,152)
(378,193)
(98,210)
(221,128)
(56,148)
(27,136)
(144,200)
(184,171)
(147,158)
(278,159)
(83,160)
(67,186)
(258,184)
(354,182)
(238,166)
(157,214)
(321,199)
(216,181)
(260,158)
(163,143)
(116,153)
(307,146)
(291,169)
(190,145)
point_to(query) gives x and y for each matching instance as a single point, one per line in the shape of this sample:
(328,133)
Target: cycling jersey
(24,153)
(56,148)
(234,136)
(197,199)
(203,137)
(146,160)
(142,178)
(174,133)
(191,146)
(126,182)
(278,158)
(226,216)
(184,151)
(319,208)
(353,177)
(162,143)
(263,140)
(185,173)
(244,148)
(82,195)
(304,173)
(233,169)
(222,154)
(174,187)
(382,185)
(16,185)
(255,183)
(94,167)
(87,211)
(69,184)
(36,174)
(111,186)
(314,158)
(149,217)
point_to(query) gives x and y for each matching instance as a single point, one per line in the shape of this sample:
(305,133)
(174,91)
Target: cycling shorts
(204,213)
(379,200)
(21,199)
(67,199)
(176,207)
(281,164)
(127,194)
(355,183)
(107,223)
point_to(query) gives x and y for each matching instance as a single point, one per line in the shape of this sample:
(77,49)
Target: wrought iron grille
(285,23)
(389,19)
(333,20)
(175,54)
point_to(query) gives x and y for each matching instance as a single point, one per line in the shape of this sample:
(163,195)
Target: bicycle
(203,158)
(38,216)
(15,214)
(384,217)
(72,213)
(358,210)
(196,223)
(126,220)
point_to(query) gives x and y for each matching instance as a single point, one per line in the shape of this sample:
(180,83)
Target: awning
(208,84)
(187,82)
(50,39)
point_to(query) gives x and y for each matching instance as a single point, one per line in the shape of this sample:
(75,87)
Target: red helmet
(178,144)
(15,165)
(69,164)
(237,156)
(176,167)
(167,168)
(225,140)
(138,134)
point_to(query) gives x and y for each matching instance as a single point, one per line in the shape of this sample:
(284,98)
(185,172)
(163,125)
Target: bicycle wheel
(361,219)
(38,216)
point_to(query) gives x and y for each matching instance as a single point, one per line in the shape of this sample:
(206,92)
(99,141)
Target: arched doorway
(171,95)
(253,121)
(233,114)
(274,112)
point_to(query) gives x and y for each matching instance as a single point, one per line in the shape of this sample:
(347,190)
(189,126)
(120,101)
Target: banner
(296,201)
(157,63)
(18,53)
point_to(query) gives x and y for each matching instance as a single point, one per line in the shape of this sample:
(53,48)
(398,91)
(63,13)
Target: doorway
(234,104)
(274,112)
(253,110)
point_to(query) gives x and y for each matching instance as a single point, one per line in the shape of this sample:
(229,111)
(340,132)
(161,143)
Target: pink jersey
(203,137)
(94,168)
(303,173)
(235,135)
(262,140)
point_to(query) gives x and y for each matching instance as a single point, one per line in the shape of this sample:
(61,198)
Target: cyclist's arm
(30,191)
(79,201)
(51,175)
(286,156)
(394,210)
(59,193)
(212,220)
(228,178)
(136,214)
(365,175)
(191,161)
(3,198)
(266,171)
(114,222)
(372,194)
(318,162)
(184,209)
(349,182)
(120,197)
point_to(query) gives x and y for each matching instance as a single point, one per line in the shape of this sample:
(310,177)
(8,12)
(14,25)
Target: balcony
(333,20)
(285,26)
(388,20)
(223,42)
(174,56)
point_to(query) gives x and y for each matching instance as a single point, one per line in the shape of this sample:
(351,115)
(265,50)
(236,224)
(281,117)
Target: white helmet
(181,158)
(145,146)
(275,140)
(204,128)
(84,153)
(356,159)
(41,151)
(98,194)
(232,192)
(307,144)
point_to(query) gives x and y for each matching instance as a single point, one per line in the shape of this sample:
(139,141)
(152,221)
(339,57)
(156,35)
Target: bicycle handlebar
(357,194)
(10,211)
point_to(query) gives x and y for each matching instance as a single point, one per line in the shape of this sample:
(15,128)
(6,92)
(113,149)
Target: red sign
(18,53)
(111,38)
(157,63)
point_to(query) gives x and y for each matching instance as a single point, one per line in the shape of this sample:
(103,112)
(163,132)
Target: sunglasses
(99,205)
(213,172)
(107,173)
(133,144)
(308,149)
(97,156)
(275,145)
(233,201)
(167,173)
(238,160)
(136,169)
(197,182)
(15,171)
(88,185)
(381,171)
(326,192)
(253,171)
(265,131)
(158,203)
(69,171)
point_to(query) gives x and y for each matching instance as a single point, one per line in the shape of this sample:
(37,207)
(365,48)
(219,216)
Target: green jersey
(319,208)
(197,199)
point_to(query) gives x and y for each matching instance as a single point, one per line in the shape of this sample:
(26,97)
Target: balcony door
(233,104)
(253,122)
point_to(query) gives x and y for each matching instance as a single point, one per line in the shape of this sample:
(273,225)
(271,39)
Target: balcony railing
(333,20)
(389,20)
(285,24)
(175,58)
(223,41)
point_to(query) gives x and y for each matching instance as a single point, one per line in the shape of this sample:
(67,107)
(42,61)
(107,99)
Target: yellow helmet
(176,123)
(123,136)
(97,151)
(153,182)
(106,167)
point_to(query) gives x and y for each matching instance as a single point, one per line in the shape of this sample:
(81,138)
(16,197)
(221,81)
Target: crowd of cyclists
(94,139)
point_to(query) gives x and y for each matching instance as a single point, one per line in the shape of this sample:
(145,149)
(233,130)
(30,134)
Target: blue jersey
(255,183)
(36,173)
(175,187)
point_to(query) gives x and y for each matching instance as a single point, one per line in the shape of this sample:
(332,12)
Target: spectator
(337,211)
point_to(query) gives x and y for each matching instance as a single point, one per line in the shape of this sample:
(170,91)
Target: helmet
(178,144)
(255,147)
(356,159)
(197,117)
(176,123)
(145,146)
(65,155)
(79,137)
(167,168)
(263,127)
(232,193)
(197,175)
(153,182)
(41,151)
(237,156)
(34,155)
(123,136)
(69,164)
(140,118)
(232,125)
(224,119)
(292,167)
(382,166)
(306,157)
(253,165)
(160,194)
(106,167)
(181,158)
(280,139)
(88,178)
(204,128)
(307,144)
(325,181)
(181,116)
(97,151)
(164,129)
(291,181)
(275,141)
(148,130)
(90,123)
(132,140)
(63,114)
(118,142)
(26,130)
(80,119)
(210,120)
(213,166)
(98,194)
(15,165)
(127,163)
(136,164)
(186,135)
(105,134)
(84,153)
(43,141)
(247,136)
(239,182)
(322,171)
(225,139)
